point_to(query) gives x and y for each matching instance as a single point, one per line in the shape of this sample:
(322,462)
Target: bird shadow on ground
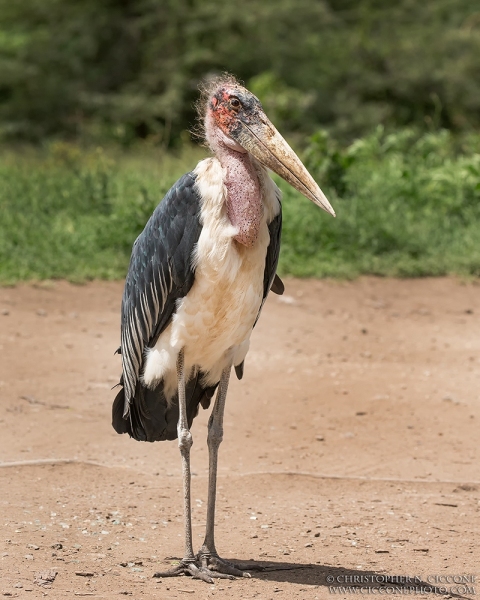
(336,579)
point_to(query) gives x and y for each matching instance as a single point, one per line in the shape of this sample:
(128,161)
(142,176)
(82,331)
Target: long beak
(264,142)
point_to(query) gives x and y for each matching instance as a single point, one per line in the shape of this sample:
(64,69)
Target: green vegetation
(391,88)
(408,204)
(120,70)
(67,213)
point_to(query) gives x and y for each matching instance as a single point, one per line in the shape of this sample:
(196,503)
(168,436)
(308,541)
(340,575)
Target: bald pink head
(234,120)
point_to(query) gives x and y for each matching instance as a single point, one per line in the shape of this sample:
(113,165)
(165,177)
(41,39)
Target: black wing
(161,271)
(273,254)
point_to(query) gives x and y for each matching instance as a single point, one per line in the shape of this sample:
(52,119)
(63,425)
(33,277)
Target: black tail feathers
(150,419)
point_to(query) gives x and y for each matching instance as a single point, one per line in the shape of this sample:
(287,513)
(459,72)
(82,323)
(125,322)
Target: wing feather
(161,271)
(273,254)
(271,259)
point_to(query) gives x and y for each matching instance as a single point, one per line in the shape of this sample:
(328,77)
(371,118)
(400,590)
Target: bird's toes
(200,573)
(175,572)
(207,570)
(243,568)
(224,567)
(220,575)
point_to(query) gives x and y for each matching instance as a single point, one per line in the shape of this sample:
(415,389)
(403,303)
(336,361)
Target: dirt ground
(350,451)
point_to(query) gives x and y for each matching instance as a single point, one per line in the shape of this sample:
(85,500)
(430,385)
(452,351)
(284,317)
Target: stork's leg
(185,442)
(187,564)
(208,556)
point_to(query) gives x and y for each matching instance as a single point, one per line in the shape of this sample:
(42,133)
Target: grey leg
(208,555)
(214,439)
(185,441)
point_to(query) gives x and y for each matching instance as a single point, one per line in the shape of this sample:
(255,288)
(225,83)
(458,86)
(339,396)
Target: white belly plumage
(213,322)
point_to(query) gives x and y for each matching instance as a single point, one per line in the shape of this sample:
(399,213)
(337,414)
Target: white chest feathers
(214,321)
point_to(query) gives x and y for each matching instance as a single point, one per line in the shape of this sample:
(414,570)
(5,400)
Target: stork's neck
(244,194)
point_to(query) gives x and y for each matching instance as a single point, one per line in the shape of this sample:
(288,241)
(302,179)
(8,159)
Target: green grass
(407,205)
(74,214)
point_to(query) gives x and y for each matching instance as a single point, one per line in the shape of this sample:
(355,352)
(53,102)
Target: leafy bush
(407,203)
(75,214)
(124,70)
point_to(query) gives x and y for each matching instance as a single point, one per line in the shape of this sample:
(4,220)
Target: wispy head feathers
(207,88)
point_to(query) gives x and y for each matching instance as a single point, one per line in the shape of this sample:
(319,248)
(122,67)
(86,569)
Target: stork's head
(234,117)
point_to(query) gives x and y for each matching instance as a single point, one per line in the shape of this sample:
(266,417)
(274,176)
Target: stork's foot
(213,563)
(197,571)
(206,567)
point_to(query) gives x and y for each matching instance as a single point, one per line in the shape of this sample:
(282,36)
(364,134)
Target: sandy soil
(351,448)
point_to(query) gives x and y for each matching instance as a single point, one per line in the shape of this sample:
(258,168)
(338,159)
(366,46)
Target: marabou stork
(199,275)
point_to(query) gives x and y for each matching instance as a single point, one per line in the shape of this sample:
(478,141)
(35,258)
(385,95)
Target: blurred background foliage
(127,69)
(382,100)
(408,204)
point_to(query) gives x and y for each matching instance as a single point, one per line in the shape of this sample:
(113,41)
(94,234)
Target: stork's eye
(235,103)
